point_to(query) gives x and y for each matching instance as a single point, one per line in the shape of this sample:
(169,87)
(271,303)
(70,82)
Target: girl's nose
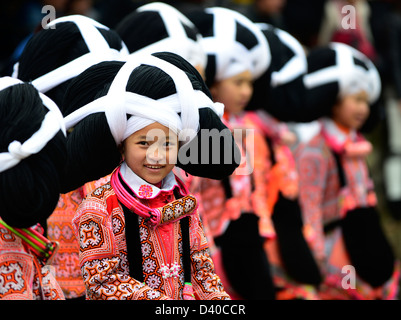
(155,154)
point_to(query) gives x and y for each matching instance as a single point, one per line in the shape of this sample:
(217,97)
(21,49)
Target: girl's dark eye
(169,144)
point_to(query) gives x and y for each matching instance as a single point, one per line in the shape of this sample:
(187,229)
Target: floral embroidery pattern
(178,208)
(91,235)
(99,191)
(19,274)
(6,235)
(145,191)
(149,266)
(146,250)
(105,269)
(154,281)
(118,225)
(168,272)
(11,278)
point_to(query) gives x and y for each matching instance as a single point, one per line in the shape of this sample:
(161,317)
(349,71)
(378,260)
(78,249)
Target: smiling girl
(151,152)
(140,234)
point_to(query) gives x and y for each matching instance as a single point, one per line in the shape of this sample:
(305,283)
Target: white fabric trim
(177,42)
(118,103)
(190,50)
(99,51)
(296,66)
(73,68)
(88,28)
(223,45)
(189,113)
(351,78)
(52,123)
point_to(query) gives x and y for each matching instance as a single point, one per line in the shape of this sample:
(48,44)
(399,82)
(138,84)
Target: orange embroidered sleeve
(206,283)
(103,264)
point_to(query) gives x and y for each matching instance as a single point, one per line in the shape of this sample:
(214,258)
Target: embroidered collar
(352,144)
(145,190)
(173,211)
(336,136)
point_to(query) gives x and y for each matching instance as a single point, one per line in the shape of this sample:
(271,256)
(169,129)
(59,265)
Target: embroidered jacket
(281,176)
(99,225)
(247,185)
(320,199)
(59,228)
(66,260)
(254,191)
(22,275)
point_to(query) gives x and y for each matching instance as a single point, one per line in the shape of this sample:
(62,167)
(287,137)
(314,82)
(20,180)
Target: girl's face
(352,111)
(151,152)
(234,92)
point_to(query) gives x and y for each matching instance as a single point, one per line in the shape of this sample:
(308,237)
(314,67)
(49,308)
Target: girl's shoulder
(103,191)
(102,198)
(98,207)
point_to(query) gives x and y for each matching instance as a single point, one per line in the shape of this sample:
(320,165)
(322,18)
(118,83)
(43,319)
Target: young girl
(231,44)
(336,191)
(140,235)
(280,91)
(158,26)
(32,157)
(52,57)
(234,209)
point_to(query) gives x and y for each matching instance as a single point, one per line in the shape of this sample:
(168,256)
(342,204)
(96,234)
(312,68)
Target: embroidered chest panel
(101,227)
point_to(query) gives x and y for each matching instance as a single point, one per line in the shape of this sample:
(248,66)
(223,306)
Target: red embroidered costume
(66,260)
(59,228)
(323,205)
(255,190)
(23,276)
(100,226)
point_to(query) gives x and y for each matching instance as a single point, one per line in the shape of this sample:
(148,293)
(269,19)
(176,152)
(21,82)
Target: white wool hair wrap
(232,57)
(293,68)
(351,78)
(52,123)
(118,103)
(177,42)
(99,50)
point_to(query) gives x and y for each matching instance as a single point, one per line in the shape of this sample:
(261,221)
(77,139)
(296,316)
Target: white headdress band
(52,123)
(99,50)
(177,42)
(118,103)
(294,67)
(351,77)
(227,49)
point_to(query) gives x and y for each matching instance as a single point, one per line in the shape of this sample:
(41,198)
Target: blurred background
(376,32)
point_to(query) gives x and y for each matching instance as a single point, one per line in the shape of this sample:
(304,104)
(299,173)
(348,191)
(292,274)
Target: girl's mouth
(153,167)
